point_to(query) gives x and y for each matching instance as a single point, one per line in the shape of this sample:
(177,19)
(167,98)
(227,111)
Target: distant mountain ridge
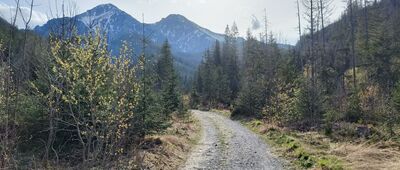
(187,39)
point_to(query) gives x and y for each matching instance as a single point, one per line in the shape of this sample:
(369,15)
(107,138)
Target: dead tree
(24,66)
(266,26)
(325,11)
(366,24)
(311,16)
(300,47)
(352,24)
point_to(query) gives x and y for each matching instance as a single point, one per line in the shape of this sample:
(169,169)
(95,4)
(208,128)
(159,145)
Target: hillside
(24,52)
(331,103)
(375,29)
(78,92)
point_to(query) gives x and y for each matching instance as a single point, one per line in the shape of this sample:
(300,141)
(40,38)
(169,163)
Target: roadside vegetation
(331,101)
(66,101)
(168,150)
(316,150)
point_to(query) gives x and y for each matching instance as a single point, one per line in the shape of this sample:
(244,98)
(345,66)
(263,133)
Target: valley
(200,84)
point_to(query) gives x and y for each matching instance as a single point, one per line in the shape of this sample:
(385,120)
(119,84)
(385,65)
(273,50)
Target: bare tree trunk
(299,29)
(323,6)
(53,100)
(311,16)
(25,67)
(366,24)
(10,133)
(266,27)
(144,77)
(312,39)
(352,39)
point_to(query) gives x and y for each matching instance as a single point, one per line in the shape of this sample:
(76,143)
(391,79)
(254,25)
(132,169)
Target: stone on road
(226,144)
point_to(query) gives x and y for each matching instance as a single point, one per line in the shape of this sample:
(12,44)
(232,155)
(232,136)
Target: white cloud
(202,1)
(255,23)
(7,12)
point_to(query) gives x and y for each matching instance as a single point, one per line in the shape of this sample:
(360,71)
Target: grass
(176,145)
(300,154)
(382,155)
(314,150)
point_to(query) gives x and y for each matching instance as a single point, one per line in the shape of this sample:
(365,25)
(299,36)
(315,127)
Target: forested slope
(347,71)
(341,81)
(325,101)
(356,63)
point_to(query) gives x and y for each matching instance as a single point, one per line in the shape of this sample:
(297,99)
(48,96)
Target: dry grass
(353,155)
(266,127)
(226,113)
(357,155)
(176,144)
(372,157)
(166,151)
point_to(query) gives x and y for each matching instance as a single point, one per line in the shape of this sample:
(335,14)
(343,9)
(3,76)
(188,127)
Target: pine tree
(168,81)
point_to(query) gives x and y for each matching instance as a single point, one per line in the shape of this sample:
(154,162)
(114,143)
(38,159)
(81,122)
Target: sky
(211,14)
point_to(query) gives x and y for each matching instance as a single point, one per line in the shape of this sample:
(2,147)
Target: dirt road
(226,144)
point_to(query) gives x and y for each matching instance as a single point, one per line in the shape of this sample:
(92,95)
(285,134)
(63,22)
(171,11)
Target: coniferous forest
(340,80)
(343,72)
(67,101)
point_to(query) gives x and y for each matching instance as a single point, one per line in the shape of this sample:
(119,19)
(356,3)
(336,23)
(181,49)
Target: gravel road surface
(226,144)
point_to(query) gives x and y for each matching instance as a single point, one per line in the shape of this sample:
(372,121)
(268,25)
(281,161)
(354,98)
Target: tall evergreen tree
(230,57)
(252,95)
(168,80)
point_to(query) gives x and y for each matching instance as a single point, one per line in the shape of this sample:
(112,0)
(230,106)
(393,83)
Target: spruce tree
(230,58)
(168,80)
(252,95)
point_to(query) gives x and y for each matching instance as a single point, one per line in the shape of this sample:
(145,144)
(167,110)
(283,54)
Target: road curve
(226,144)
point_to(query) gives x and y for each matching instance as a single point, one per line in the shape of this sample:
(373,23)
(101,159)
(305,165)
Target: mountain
(118,25)
(188,40)
(184,35)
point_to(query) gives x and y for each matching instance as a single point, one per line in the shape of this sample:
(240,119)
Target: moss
(292,148)
(256,123)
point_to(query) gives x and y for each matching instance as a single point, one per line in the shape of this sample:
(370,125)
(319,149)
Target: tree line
(339,73)
(217,79)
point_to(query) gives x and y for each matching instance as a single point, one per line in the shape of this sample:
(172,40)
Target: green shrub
(304,159)
(330,163)
(308,105)
(354,111)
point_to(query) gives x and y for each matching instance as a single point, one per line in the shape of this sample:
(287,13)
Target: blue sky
(211,14)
